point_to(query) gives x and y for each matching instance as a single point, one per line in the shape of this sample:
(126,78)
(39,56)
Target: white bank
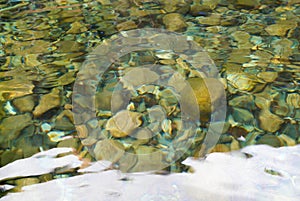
(220,177)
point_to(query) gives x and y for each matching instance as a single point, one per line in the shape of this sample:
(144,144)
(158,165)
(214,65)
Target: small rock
(174,22)
(149,159)
(63,122)
(82,131)
(212,20)
(220,148)
(280,28)
(26,181)
(293,100)
(245,101)
(11,127)
(126,26)
(127,161)
(268,76)
(108,149)
(88,141)
(242,81)
(247,4)
(288,141)
(105,2)
(269,122)
(72,142)
(205,98)
(46,127)
(47,102)
(271,140)
(77,27)
(9,156)
(143,136)
(199,10)
(242,115)
(124,123)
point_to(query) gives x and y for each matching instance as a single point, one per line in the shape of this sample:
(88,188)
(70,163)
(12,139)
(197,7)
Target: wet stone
(72,142)
(271,140)
(9,156)
(24,104)
(63,123)
(123,123)
(110,150)
(199,10)
(269,122)
(214,19)
(126,26)
(287,140)
(149,159)
(242,115)
(247,4)
(268,76)
(47,102)
(220,148)
(11,127)
(281,28)
(26,181)
(174,22)
(245,101)
(77,27)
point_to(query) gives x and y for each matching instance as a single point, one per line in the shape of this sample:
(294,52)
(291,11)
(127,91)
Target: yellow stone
(269,122)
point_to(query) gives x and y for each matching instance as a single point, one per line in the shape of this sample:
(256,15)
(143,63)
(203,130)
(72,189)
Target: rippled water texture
(253,45)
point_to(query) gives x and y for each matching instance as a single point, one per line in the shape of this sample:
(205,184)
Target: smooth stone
(82,131)
(9,156)
(271,140)
(213,20)
(11,126)
(292,130)
(268,121)
(199,10)
(127,162)
(63,122)
(293,100)
(48,101)
(235,145)
(26,181)
(89,141)
(24,104)
(149,159)
(287,140)
(126,26)
(76,28)
(242,115)
(245,101)
(242,81)
(205,98)
(176,6)
(28,146)
(72,142)
(174,22)
(247,4)
(280,28)
(108,149)
(268,76)
(239,56)
(220,148)
(46,127)
(142,135)
(123,123)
